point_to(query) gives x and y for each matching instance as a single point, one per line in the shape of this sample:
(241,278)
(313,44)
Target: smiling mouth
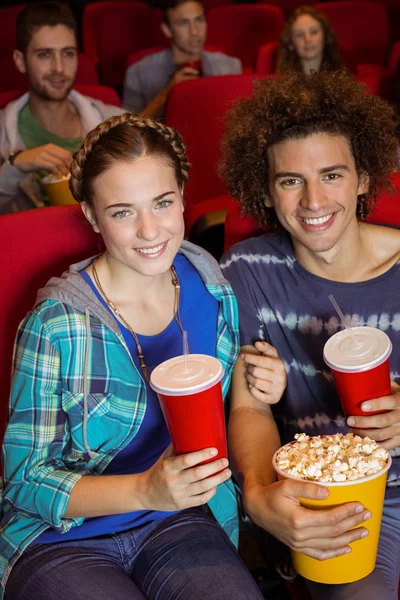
(155,250)
(57,81)
(316,221)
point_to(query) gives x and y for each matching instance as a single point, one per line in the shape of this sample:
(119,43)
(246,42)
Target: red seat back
(208,98)
(12,79)
(241,29)
(287,6)
(112,30)
(362,25)
(394,56)
(8,19)
(100,92)
(34,246)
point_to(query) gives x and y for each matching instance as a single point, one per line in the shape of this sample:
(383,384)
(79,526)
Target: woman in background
(308,43)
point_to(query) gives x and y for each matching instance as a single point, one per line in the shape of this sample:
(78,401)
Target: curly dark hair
(295,107)
(288,59)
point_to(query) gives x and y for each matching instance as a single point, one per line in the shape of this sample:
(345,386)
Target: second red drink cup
(360,367)
(191,400)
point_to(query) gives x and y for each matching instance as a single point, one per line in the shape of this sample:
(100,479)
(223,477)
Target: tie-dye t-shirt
(286,305)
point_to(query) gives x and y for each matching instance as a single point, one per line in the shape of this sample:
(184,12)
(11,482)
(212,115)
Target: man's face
(313,189)
(187,27)
(50,62)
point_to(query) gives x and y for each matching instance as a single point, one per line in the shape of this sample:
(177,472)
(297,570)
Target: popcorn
(331,458)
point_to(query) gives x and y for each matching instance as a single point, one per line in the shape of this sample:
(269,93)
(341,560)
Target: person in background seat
(308,43)
(149,82)
(41,130)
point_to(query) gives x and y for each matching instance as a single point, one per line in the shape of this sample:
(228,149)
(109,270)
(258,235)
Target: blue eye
(164,203)
(120,214)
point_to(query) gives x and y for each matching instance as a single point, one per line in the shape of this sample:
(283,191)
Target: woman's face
(138,210)
(308,38)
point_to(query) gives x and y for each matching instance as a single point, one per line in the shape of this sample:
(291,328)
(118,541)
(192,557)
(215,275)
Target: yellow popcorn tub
(360,562)
(57,190)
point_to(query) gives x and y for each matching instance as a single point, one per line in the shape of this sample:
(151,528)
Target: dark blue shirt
(199,314)
(286,305)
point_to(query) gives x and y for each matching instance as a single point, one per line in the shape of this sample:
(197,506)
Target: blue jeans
(187,556)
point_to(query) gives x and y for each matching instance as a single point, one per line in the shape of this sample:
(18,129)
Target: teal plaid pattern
(43,451)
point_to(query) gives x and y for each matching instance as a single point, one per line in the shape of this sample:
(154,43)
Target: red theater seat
(363,26)
(208,98)
(394,56)
(112,30)
(288,6)
(8,18)
(34,246)
(241,29)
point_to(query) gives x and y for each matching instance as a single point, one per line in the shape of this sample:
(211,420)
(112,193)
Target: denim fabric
(185,557)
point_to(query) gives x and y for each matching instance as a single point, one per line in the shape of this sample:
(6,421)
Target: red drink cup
(191,400)
(361,371)
(193,64)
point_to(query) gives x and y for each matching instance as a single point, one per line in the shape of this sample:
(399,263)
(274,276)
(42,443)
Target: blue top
(152,437)
(286,305)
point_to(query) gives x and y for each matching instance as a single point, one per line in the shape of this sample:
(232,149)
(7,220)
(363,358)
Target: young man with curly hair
(307,157)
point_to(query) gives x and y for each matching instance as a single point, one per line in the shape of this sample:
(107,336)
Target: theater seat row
(113,30)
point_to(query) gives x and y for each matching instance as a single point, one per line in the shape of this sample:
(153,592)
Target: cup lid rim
(346,368)
(188,389)
(58,180)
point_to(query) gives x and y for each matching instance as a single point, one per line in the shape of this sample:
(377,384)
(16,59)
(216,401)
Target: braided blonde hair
(123,138)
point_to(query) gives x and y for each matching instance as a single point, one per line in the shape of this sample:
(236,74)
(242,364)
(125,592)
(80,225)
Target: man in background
(41,130)
(149,81)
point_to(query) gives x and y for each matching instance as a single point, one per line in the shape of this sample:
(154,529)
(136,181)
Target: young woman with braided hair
(96,505)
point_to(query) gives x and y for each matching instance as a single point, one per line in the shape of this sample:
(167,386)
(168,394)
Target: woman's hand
(178,482)
(265,373)
(383,428)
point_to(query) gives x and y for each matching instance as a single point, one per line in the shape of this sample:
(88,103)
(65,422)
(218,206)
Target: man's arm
(275,506)
(133,98)
(251,454)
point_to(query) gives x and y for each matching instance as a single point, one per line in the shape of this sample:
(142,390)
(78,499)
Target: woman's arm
(38,483)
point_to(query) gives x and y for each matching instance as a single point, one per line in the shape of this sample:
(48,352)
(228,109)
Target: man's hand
(320,534)
(265,373)
(49,157)
(184,74)
(383,428)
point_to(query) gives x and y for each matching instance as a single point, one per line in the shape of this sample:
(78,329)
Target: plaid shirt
(69,352)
